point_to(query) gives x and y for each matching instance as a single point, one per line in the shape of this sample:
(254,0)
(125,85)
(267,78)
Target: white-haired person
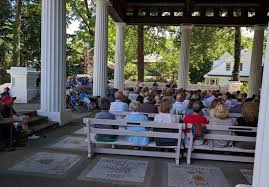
(119,105)
(136,116)
(221,117)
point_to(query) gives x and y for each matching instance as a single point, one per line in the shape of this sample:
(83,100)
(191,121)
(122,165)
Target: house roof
(151,58)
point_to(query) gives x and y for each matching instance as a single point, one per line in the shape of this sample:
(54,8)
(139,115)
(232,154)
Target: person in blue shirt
(136,116)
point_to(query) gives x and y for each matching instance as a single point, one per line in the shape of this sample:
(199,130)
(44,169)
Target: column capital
(101,2)
(259,27)
(186,26)
(120,24)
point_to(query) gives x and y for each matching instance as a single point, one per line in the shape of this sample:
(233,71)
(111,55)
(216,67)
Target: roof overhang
(197,12)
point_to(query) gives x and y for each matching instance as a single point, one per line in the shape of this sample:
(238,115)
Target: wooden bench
(211,154)
(95,146)
(149,115)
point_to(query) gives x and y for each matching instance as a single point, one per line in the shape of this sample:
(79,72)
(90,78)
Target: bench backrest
(150,115)
(121,123)
(229,137)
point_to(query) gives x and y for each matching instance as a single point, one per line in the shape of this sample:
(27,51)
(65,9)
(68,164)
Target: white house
(222,69)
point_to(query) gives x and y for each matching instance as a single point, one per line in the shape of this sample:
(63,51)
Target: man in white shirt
(179,107)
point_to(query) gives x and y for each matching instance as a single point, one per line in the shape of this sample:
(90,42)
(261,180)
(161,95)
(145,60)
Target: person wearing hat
(7,132)
(20,121)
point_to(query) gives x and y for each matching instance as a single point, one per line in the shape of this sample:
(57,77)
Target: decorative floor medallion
(121,170)
(47,163)
(195,176)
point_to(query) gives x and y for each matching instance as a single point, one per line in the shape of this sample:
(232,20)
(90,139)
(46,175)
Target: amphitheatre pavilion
(183,13)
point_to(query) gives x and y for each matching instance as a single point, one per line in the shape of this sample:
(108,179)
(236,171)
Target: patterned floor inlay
(47,163)
(195,176)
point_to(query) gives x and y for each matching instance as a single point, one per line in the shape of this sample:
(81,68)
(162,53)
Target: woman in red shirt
(198,121)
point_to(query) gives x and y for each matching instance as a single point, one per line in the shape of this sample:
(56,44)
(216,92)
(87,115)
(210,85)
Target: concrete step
(41,128)
(27,113)
(36,120)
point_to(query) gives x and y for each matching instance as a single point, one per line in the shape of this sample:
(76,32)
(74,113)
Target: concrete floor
(156,177)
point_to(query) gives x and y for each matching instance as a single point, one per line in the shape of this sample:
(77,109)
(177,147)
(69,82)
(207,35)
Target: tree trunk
(237,55)
(16,35)
(88,60)
(140,53)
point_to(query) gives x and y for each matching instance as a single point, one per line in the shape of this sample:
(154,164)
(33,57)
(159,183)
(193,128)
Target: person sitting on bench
(198,121)
(20,122)
(104,114)
(221,117)
(7,132)
(119,105)
(136,116)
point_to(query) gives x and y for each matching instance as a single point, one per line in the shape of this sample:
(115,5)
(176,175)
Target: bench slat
(230,149)
(222,157)
(149,124)
(231,128)
(230,138)
(134,133)
(135,152)
(126,143)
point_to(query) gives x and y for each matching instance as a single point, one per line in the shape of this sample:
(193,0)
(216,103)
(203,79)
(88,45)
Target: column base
(61,117)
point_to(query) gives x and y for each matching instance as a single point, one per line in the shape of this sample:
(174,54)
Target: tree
(16,35)
(6,33)
(31,34)
(237,55)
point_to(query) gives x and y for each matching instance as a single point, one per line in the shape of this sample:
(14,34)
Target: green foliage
(244,88)
(208,43)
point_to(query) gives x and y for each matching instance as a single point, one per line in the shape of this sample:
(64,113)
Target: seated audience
(20,122)
(119,105)
(165,116)
(221,117)
(148,106)
(126,95)
(157,99)
(198,121)
(7,132)
(211,108)
(140,99)
(250,112)
(104,114)
(209,98)
(111,94)
(136,116)
(238,107)
(180,106)
(132,95)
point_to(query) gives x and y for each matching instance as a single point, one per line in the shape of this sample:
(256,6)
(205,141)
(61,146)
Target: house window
(241,66)
(228,66)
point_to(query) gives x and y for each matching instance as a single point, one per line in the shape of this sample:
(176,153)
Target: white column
(255,77)
(53,60)
(261,165)
(119,56)
(183,73)
(100,49)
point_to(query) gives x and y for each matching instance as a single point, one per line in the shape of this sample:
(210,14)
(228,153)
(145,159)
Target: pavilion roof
(197,12)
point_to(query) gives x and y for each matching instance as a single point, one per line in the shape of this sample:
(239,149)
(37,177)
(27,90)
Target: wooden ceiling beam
(117,10)
(206,21)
